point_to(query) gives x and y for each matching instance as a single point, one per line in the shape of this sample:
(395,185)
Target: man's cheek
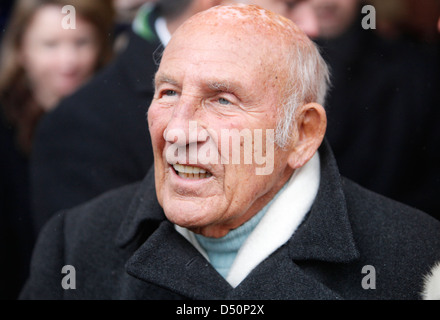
(156,136)
(154,114)
(156,127)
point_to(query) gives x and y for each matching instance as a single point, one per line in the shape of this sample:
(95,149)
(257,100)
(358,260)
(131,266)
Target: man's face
(215,82)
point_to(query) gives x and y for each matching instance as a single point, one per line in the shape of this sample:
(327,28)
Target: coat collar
(324,235)
(143,208)
(326,232)
(169,261)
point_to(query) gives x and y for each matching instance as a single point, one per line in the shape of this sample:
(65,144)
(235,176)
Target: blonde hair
(19,107)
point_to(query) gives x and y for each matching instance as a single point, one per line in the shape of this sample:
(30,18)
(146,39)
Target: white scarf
(278,224)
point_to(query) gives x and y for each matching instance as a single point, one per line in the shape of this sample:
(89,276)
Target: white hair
(308,81)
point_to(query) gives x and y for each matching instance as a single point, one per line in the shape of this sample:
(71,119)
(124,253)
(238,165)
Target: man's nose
(183,126)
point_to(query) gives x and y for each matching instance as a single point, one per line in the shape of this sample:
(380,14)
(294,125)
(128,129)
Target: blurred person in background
(414,20)
(41,62)
(381,88)
(98,139)
(126,11)
(299,11)
(335,16)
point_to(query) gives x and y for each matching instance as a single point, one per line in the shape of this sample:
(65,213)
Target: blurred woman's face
(57,60)
(335,16)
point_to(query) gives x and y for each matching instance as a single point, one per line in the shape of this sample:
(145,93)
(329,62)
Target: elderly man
(97,140)
(245,205)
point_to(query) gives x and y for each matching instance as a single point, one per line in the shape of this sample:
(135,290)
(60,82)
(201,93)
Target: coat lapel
(168,260)
(143,208)
(326,233)
(279,278)
(324,236)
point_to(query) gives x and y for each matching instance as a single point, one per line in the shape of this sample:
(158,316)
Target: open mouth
(190,172)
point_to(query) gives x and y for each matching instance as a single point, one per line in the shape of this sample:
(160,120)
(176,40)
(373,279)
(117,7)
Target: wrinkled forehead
(245,40)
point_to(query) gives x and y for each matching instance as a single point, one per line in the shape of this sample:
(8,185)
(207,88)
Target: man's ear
(310,127)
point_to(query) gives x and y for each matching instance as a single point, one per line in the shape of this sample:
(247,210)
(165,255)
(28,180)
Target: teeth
(190,172)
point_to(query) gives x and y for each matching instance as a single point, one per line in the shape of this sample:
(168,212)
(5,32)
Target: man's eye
(169,93)
(223,101)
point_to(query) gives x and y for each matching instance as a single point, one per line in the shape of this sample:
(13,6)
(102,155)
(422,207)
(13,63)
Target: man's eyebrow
(214,85)
(220,85)
(163,78)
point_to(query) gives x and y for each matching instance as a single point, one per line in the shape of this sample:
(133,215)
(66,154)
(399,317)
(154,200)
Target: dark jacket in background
(97,139)
(5,12)
(383,116)
(16,233)
(122,247)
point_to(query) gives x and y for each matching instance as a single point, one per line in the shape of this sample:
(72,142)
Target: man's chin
(187,214)
(197,221)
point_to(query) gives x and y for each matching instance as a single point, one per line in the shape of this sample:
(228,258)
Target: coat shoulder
(401,242)
(375,214)
(102,214)
(373,209)
(82,237)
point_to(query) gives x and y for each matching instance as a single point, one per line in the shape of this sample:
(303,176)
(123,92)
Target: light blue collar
(222,251)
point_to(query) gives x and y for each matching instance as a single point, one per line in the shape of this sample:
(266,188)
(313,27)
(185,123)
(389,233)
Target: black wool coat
(97,139)
(123,247)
